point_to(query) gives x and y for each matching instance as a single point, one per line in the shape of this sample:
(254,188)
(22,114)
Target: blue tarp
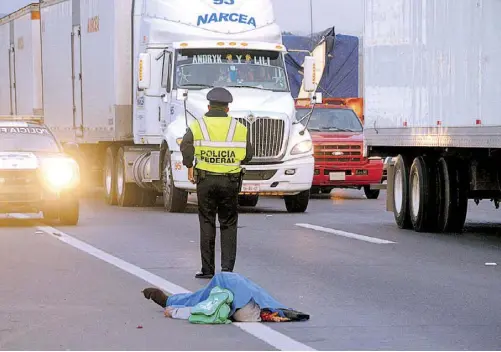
(243,290)
(340,78)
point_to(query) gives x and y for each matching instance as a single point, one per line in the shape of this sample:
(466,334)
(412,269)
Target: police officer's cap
(219,95)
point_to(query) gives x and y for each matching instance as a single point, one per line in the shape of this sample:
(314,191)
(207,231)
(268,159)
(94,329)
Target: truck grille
(267,136)
(332,153)
(259,175)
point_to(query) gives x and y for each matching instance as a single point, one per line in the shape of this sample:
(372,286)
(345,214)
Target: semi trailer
(124,79)
(20,63)
(432,85)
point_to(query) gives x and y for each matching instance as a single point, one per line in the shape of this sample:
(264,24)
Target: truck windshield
(203,68)
(335,120)
(15,141)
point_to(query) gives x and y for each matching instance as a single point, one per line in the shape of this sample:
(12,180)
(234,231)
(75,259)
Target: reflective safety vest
(220,144)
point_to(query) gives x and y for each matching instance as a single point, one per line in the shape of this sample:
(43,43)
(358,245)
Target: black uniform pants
(218,194)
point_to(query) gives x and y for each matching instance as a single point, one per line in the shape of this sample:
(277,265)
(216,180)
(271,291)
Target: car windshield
(336,120)
(27,139)
(205,68)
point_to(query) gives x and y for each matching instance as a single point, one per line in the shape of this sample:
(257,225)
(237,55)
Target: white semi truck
(124,78)
(433,104)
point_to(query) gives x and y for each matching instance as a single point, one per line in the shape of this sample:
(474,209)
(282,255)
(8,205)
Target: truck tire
(128,194)
(248,201)
(452,182)
(175,200)
(69,212)
(371,193)
(110,176)
(297,203)
(401,193)
(422,194)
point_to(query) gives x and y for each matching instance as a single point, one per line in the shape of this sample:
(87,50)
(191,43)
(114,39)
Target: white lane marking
(258,330)
(346,234)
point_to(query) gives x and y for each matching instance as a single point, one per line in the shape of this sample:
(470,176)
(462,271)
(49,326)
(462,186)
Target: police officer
(221,145)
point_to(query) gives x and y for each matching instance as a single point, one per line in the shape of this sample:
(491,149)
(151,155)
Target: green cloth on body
(215,309)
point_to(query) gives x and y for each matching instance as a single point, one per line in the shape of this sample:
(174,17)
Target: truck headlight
(302,147)
(60,173)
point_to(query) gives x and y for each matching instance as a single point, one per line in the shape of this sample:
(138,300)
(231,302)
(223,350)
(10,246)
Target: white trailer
(433,101)
(20,63)
(124,77)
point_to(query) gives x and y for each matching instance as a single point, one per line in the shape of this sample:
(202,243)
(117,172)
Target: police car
(36,173)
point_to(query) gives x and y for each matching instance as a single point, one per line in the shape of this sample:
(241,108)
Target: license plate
(337,176)
(251,188)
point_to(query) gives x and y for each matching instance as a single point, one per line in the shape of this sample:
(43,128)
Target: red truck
(336,127)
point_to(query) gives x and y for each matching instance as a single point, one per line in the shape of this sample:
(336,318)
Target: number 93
(225,2)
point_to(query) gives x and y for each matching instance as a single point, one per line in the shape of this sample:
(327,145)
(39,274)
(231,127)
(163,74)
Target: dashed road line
(260,331)
(346,234)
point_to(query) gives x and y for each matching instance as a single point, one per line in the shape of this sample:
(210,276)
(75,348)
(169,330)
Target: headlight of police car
(60,172)
(301,148)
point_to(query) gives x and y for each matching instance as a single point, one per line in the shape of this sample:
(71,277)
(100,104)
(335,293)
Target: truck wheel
(69,212)
(452,193)
(248,201)
(371,193)
(175,200)
(297,203)
(110,176)
(128,194)
(401,193)
(422,200)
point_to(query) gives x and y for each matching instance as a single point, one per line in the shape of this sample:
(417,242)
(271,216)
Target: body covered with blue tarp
(340,78)
(242,288)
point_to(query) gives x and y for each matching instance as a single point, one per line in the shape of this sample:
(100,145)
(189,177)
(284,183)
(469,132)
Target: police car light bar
(22,118)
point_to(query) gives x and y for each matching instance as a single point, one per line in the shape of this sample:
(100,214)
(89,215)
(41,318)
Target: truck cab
(249,61)
(336,127)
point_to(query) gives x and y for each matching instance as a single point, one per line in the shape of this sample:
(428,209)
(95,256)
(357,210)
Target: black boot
(156,295)
(202,275)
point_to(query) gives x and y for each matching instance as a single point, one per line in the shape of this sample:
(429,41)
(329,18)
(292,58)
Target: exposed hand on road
(191,176)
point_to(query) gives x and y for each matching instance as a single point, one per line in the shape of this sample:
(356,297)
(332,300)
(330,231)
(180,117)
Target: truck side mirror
(309,84)
(316,98)
(182,94)
(144,71)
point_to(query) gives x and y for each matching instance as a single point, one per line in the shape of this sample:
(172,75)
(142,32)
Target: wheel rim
(120,178)
(108,177)
(398,190)
(167,182)
(416,199)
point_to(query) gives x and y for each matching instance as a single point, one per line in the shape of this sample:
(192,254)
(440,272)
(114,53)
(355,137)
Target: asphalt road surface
(366,284)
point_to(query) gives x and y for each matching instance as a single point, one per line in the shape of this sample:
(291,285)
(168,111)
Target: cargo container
(432,102)
(20,63)
(124,78)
